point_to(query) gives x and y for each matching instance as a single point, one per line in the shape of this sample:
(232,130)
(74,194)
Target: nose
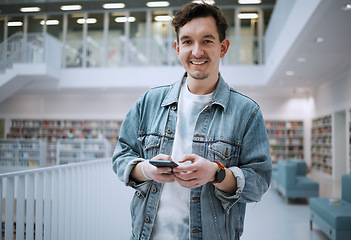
(197,50)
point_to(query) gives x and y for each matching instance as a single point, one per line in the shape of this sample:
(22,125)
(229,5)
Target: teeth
(198,63)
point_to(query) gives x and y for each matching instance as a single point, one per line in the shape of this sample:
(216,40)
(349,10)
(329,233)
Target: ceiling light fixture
(113,5)
(87,21)
(15,24)
(49,22)
(30,9)
(347,7)
(319,40)
(249,1)
(289,73)
(124,19)
(211,2)
(71,7)
(157,4)
(163,18)
(301,59)
(247,15)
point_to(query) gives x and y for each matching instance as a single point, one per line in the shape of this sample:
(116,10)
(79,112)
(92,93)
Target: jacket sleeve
(255,158)
(128,150)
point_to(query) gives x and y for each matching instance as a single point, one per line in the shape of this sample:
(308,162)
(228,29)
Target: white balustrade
(76,201)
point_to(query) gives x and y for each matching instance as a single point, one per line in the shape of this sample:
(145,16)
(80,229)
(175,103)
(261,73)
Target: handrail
(81,200)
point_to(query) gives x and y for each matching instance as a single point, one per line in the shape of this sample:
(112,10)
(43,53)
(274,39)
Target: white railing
(73,201)
(30,48)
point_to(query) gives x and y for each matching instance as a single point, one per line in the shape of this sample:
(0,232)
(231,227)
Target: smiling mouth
(198,63)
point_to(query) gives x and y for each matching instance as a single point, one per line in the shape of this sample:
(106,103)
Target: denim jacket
(230,130)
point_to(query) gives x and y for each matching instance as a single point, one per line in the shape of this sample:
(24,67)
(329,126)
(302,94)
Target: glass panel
(95,40)
(34,25)
(160,45)
(17,28)
(74,45)
(116,35)
(249,41)
(137,39)
(229,15)
(2,28)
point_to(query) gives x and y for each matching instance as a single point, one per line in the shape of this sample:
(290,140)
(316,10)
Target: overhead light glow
(71,7)
(15,24)
(247,15)
(347,7)
(319,40)
(249,1)
(289,73)
(124,19)
(30,9)
(301,59)
(211,2)
(88,20)
(157,4)
(163,18)
(113,5)
(49,22)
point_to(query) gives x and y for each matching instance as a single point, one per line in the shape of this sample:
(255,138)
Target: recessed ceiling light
(113,5)
(157,4)
(163,18)
(347,7)
(71,7)
(289,73)
(15,24)
(247,15)
(319,40)
(30,9)
(211,2)
(124,19)
(249,1)
(49,22)
(301,59)
(88,20)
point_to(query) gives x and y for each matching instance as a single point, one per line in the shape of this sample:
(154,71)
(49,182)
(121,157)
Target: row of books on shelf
(284,124)
(285,141)
(285,133)
(65,123)
(320,122)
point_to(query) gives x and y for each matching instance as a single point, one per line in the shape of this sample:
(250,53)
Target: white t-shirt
(172,219)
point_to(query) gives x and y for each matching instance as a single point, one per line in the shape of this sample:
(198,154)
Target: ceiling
(322,50)
(307,64)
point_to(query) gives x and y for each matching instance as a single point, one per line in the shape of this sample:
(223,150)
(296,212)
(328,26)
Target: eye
(208,41)
(186,42)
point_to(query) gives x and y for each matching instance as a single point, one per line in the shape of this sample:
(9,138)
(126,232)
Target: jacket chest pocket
(227,154)
(151,145)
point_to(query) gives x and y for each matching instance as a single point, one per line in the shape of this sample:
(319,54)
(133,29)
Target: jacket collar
(220,95)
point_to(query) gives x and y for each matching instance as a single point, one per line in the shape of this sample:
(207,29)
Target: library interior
(71,70)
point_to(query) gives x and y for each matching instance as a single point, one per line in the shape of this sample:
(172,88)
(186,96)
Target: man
(216,135)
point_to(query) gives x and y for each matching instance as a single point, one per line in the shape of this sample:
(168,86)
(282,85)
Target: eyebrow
(206,36)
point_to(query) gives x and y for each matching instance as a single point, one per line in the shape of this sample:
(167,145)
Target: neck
(202,87)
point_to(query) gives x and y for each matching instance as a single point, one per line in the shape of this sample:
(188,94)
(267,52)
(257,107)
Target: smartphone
(162,163)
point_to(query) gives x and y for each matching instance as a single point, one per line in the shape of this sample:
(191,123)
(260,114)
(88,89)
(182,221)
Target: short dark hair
(198,10)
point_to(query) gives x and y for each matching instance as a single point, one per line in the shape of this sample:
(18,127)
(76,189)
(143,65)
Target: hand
(198,173)
(159,174)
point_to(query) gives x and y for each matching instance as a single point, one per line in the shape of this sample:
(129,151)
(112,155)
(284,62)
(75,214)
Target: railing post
(9,206)
(20,207)
(39,206)
(30,207)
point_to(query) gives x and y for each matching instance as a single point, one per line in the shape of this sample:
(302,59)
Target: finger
(188,157)
(162,157)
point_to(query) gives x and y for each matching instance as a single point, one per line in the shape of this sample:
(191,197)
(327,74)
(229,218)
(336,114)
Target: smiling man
(215,135)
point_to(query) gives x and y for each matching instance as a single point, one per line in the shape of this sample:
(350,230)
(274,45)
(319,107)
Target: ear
(224,47)
(176,47)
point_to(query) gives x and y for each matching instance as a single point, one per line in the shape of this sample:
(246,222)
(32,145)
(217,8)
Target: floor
(274,219)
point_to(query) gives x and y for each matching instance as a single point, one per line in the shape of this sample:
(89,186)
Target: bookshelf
(53,130)
(321,144)
(71,151)
(286,139)
(22,154)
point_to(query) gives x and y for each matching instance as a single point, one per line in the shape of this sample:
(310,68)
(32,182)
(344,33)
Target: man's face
(199,48)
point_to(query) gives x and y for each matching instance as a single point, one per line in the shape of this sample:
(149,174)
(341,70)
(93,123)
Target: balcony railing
(73,201)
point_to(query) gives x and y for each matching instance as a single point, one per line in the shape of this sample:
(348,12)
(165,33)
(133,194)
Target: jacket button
(147,219)
(174,107)
(169,131)
(154,189)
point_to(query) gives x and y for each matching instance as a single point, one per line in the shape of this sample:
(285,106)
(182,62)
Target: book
(335,201)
